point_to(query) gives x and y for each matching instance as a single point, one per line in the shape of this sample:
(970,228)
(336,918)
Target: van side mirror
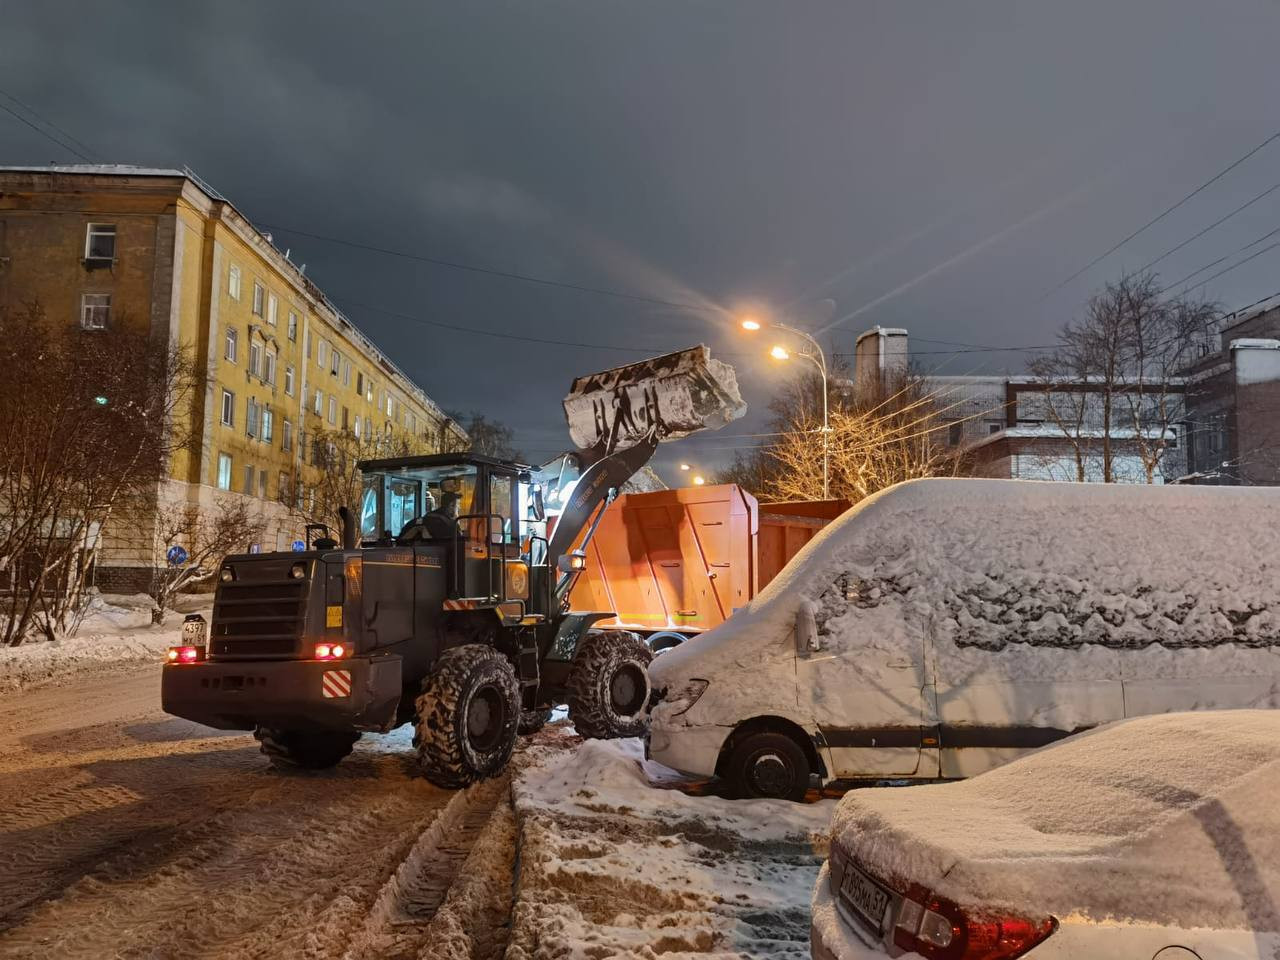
(807,639)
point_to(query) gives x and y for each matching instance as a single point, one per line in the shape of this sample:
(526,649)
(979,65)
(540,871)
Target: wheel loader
(445,604)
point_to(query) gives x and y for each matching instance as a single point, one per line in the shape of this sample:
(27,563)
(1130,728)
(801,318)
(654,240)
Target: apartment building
(158,249)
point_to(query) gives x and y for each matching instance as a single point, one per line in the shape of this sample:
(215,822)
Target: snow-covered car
(1156,838)
(943,627)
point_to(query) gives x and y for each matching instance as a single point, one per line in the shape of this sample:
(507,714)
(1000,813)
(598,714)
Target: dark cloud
(706,153)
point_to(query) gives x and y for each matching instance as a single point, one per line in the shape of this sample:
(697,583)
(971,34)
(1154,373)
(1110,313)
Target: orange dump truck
(673,563)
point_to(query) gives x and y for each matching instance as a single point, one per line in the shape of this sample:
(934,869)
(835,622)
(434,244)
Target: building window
(262,484)
(224,471)
(269,371)
(368,428)
(100,242)
(228,408)
(273,309)
(258,295)
(995,426)
(346,373)
(233,282)
(288,379)
(955,433)
(95,311)
(335,362)
(286,436)
(282,490)
(322,354)
(251,417)
(308,342)
(357,428)
(360,383)
(318,406)
(368,388)
(268,423)
(346,419)
(333,411)
(255,359)
(293,326)
(232,341)
(391,406)
(248,478)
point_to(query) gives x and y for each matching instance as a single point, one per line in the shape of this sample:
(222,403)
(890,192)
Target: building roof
(302,280)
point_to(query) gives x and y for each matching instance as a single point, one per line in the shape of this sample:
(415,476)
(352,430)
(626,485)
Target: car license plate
(865,898)
(193,633)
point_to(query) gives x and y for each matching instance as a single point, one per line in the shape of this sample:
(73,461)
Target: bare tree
(489,437)
(205,536)
(338,455)
(86,423)
(1112,385)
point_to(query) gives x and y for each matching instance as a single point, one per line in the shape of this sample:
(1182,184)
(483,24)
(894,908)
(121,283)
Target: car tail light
(939,930)
(331,651)
(186,654)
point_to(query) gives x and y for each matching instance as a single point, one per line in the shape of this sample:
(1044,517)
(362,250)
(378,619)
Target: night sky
(938,166)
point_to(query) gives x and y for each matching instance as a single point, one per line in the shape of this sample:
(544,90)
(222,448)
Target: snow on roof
(1165,819)
(1018,570)
(1255,343)
(99,169)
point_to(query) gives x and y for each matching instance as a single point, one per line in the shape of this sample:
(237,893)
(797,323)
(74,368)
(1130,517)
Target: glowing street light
(698,481)
(684,466)
(819,359)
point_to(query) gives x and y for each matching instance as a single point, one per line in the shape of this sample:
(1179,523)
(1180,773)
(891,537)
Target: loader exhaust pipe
(349,539)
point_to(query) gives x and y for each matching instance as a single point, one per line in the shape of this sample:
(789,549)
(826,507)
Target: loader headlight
(572,562)
(298,571)
(227,575)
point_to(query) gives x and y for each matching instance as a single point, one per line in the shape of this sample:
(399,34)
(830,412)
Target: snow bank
(117,629)
(1168,819)
(1019,571)
(614,863)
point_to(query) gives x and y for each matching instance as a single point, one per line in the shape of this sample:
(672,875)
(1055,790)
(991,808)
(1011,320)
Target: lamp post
(819,360)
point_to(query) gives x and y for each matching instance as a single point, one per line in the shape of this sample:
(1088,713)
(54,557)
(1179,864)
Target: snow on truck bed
(1168,819)
(1018,570)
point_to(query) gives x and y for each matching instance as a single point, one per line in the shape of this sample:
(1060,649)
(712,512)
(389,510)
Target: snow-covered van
(943,627)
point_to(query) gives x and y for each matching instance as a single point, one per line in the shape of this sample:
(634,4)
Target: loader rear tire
(304,749)
(608,686)
(467,716)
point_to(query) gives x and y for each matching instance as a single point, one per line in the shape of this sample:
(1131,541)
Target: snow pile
(116,630)
(615,863)
(1169,820)
(1015,570)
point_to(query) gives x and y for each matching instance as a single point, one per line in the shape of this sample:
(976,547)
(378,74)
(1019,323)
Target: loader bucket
(670,397)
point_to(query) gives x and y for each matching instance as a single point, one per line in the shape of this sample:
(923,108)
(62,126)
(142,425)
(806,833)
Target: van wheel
(304,749)
(467,716)
(608,686)
(768,765)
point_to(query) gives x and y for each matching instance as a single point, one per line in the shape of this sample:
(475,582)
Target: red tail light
(940,930)
(185,654)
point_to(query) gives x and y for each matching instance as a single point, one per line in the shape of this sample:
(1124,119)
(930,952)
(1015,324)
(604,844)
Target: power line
(1152,222)
(48,123)
(1235,266)
(44,133)
(489,271)
(1213,263)
(1196,236)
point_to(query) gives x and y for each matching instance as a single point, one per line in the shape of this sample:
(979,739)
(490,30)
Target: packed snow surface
(1139,581)
(116,630)
(614,863)
(1168,819)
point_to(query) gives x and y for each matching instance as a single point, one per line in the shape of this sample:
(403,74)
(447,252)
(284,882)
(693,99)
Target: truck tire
(304,749)
(767,765)
(467,716)
(531,721)
(608,686)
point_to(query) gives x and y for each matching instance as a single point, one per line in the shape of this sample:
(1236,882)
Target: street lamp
(684,466)
(698,481)
(819,360)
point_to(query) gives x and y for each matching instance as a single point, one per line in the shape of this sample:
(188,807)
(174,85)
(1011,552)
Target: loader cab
(485,515)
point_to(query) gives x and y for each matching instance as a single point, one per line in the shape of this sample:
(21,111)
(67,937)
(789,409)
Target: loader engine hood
(667,397)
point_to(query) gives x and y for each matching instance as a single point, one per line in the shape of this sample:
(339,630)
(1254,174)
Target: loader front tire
(304,749)
(467,716)
(608,686)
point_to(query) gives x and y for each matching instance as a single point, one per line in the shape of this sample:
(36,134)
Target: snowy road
(128,833)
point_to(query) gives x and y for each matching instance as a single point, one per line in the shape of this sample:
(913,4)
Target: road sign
(177,555)
(299,546)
